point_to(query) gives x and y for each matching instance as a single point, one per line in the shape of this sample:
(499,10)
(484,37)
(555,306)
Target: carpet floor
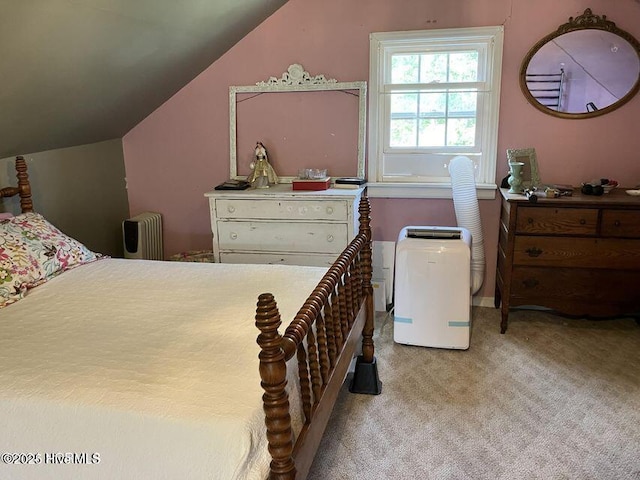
(553,398)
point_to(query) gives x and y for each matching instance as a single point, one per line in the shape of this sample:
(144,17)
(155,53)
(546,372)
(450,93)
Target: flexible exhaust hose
(465,202)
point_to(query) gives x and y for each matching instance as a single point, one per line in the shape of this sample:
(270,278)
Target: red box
(312,184)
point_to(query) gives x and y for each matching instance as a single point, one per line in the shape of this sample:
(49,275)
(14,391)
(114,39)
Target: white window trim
(486,187)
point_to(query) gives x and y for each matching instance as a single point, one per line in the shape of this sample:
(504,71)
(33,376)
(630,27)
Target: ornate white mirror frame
(296,79)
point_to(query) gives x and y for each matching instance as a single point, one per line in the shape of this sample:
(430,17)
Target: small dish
(634,193)
(312,173)
(316,173)
(608,188)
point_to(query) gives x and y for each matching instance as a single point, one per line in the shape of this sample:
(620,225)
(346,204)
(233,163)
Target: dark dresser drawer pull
(530,282)
(529,220)
(582,221)
(617,223)
(533,251)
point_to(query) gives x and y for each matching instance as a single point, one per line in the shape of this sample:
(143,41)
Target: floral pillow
(19,269)
(32,251)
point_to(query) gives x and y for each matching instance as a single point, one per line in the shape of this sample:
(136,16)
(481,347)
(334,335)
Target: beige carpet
(553,398)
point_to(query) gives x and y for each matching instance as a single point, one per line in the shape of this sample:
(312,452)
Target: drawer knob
(529,220)
(530,282)
(231,209)
(582,221)
(329,238)
(533,252)
(329,210)
(617,223)
(233,235)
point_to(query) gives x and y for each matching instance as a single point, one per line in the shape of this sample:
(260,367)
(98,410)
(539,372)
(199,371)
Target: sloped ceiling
(74,72)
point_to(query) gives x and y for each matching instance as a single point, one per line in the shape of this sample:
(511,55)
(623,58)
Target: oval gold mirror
(587,67)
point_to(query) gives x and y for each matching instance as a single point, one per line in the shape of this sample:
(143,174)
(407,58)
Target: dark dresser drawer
(557,221)
(579,252)
(620,223)
(585,292)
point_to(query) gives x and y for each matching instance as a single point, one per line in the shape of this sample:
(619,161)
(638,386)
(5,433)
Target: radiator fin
(142,236)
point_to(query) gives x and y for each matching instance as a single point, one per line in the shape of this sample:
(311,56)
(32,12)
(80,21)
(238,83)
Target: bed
(113,368)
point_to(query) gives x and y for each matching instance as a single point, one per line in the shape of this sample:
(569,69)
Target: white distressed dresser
(279,225)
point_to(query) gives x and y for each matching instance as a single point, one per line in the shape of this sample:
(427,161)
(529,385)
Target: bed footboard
(323,336)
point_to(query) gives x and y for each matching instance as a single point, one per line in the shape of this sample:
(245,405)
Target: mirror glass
(304,121)
(586,68)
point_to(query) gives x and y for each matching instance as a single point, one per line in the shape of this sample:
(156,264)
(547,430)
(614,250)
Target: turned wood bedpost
(367,333)
(365,378)
(273,372)
(26,204)
(23,190)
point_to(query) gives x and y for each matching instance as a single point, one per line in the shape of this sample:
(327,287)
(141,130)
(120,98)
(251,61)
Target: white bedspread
(151,365)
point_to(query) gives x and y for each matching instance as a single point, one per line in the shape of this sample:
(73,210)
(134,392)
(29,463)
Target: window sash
(388,88)
(394,164)
(479,117)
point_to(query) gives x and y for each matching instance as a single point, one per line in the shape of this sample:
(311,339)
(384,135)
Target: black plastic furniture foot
(365,379)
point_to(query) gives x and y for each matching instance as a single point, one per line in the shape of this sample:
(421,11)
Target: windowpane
(405,68)
(461,131)
(403,133)
(463,67)
(433,103)
(433,68)
(404,103)
(460,102)
(432,132)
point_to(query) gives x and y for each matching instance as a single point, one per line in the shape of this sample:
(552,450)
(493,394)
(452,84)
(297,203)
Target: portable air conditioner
(432,305)
(142,236)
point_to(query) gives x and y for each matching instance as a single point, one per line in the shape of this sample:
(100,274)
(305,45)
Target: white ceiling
(74,72)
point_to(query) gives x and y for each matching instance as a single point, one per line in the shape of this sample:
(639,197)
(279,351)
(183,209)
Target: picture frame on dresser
(530,175)
(300,132)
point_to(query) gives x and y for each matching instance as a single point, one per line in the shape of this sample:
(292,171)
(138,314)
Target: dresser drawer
(557,221)
(331,210)
(620,223)
(282,236)
(311,259)
(606,253)
(599,291)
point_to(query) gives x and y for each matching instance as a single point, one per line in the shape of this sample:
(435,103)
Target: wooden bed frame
(323,336)
(330,322)
(23,189)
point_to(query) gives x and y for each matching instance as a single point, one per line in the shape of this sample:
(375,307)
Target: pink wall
(181,150)
(299,130)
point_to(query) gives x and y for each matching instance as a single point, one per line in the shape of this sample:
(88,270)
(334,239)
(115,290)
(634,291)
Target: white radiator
(142,236)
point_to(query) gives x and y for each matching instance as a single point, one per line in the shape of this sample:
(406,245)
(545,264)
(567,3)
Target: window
(434,95)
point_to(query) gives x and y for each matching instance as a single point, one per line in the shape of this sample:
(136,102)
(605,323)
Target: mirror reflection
(586,68)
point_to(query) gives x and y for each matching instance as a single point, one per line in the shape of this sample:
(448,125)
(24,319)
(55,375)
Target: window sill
(484,191)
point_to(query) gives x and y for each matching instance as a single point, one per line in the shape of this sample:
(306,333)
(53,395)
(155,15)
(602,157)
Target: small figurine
(263,174)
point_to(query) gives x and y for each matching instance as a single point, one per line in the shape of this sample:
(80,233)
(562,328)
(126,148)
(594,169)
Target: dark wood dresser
(577,255)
